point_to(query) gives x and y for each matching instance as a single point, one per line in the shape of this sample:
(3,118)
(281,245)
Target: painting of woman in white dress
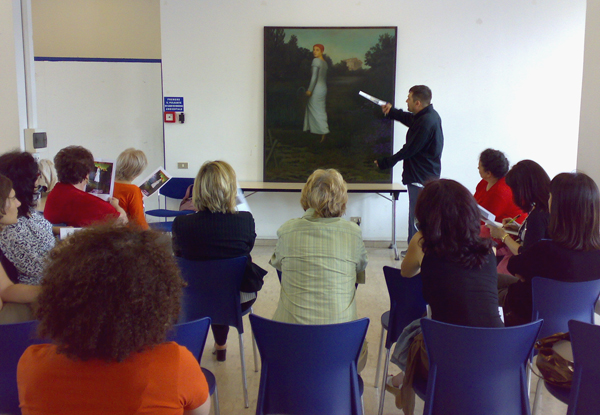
(315,118)
(313,115)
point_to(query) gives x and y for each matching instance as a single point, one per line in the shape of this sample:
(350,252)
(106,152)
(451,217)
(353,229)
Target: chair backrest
(584,398)
(309,369)
(213,290)
(406,302)
(475,370)
(191,335)
(14,339)
(176,186)
(557,302)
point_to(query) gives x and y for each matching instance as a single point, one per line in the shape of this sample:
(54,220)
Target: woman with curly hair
(492,192)
(130,164)
(68,203)
(15,299)
(110,295)
(458,268)
(26,243)
(219,231)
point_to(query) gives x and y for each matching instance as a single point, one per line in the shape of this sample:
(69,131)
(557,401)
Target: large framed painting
(314,116)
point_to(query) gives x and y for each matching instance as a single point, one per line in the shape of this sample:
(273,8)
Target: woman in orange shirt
(130,164)
(109,296)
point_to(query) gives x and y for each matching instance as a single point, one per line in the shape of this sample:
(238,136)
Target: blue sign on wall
(174,104)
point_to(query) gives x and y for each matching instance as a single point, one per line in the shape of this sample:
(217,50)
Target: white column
(13,89)
(588,151)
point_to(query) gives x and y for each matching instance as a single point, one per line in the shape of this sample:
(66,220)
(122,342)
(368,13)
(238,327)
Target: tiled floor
(372,302)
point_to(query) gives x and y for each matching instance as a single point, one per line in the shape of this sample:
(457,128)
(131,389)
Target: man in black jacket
(422,151)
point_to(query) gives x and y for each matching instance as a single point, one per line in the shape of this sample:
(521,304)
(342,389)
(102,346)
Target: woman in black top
(530,186)
(457,265)
(573,253)
(219,231)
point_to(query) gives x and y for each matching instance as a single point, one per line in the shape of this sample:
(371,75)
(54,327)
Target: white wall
(504,74)
(103,106)
(589,126)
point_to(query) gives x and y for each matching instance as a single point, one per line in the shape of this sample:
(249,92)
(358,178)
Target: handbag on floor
(555,368)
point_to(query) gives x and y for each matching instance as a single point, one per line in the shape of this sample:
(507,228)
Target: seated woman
(492,192)
(26,243)
(321,256)
(109,298)
(530,187)
(130,164)
(573,253)
(219,231)
(68,203)
(458,268)
(15,299)
(45,183)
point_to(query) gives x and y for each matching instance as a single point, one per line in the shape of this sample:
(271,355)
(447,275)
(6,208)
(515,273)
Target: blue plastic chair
(406,304)
(213,291)
(584,398)
(175,188)
(193,336)
(309,369)
(557,302)
(475,370)
(14,339)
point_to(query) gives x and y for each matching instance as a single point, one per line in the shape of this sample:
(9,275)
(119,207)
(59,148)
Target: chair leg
(529,376)
(216,401)
(362,404)
(384,377)
(381,344)
(538,395)
(243,359)
(254,346)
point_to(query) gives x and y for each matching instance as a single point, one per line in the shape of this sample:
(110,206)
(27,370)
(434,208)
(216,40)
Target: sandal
(396,391)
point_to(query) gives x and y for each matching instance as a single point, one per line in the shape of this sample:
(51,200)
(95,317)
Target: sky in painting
(340,43)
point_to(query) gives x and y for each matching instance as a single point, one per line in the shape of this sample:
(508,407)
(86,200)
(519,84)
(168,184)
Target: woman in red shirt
(492,192)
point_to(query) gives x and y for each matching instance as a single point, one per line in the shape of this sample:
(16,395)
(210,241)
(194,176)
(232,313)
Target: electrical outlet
(356,219)
(182,165)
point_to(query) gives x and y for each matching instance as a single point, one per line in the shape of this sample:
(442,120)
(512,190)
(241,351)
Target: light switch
(182,165)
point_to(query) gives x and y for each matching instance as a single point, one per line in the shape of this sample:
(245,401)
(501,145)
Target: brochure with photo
(101,180)
(157,179)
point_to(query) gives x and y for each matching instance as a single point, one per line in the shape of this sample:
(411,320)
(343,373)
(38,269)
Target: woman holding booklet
(68,203)
(530,186)
(130,164)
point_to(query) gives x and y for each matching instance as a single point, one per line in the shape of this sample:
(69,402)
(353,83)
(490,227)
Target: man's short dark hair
(421,93)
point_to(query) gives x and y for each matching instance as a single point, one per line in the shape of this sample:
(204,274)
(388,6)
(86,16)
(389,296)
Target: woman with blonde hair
(219,231)
(130,164)
(45,183)
(321,256)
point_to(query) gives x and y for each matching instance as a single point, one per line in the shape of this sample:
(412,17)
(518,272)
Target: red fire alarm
(169,116)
